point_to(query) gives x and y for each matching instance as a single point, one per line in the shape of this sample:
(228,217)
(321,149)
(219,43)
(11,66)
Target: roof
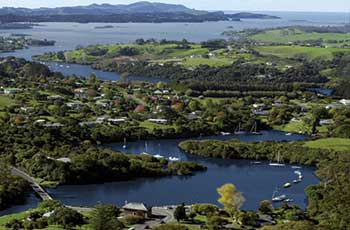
(136,207)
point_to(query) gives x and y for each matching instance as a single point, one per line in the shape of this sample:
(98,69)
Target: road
(163,214)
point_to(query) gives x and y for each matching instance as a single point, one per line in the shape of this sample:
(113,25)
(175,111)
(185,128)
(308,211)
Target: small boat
(158,156)
(277,164)
(146,148)
(297,181)
(61,66)
(256,162)
(287,185)
(254,130)
(278,198)
(289,134)
(174,159)
(288,200)
(238,131)
(296,167)
(300,177)
(124,145)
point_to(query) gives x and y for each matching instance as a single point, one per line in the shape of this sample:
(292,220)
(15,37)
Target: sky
(248,5)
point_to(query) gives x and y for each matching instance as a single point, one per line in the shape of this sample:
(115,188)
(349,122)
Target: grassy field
(293,35)
(339,144)
(292,51)
(295,127)
(6,101)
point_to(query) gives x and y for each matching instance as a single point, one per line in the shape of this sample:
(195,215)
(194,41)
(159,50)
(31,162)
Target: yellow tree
(230,198)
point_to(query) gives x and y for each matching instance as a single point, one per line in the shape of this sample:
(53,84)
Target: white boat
(300,177)
(296,167)
(287,185)
(61,66)
(288,200)
(278,198)
(289,134)
(146,148)
(277,164)
(254,129)
(124,145)
(158,156)
(239,131)
(256,162)
(297,181)
(174,159)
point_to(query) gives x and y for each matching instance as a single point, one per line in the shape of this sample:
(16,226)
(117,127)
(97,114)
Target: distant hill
(103,9)
(136,12)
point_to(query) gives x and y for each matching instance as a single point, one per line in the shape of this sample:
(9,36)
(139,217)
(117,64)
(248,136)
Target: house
(75,105)
(117,120)
(11,90)
(158,121)
(326,122)
(345,102)
(137,209)
(334,106)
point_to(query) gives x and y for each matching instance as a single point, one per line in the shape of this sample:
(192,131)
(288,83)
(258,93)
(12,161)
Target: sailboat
(146,150)
(278,198)
(254,129)
(277,164)
(239,131)
(124,145)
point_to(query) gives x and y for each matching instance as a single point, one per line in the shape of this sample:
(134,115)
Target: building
(10,91)
(159,121)
(137,209)
(345,102)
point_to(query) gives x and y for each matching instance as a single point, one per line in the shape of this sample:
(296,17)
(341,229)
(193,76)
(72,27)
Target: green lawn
(6,101)
(295,127)
(339,144)
(292,51)
(193,62)
(293,35)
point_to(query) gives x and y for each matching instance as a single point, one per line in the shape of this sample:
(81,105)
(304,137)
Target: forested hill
(136,12)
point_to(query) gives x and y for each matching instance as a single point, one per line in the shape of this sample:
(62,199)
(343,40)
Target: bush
(131,220)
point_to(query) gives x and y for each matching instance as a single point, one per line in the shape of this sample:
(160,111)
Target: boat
(278,198)
(256,162)
(277,164)
(254,129)
(124,145)
(238,131)
(289,134)
(146,150)
(296,167)
(174,159)
(300,177)
(158,156)
(288,200)
(297,181)
(287,185)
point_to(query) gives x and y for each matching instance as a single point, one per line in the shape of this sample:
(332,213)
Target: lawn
(6,101)
(193,62)
(339,144)
(292,51)
(294,35)
(295,127)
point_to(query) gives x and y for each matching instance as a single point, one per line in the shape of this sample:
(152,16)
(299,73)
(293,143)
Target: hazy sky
(281,5)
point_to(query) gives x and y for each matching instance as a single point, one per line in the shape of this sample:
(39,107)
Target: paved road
(166,215)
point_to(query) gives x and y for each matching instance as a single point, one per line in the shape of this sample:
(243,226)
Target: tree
(66,217)
(180,212)
(265,207)
(105,217)
(230,198)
